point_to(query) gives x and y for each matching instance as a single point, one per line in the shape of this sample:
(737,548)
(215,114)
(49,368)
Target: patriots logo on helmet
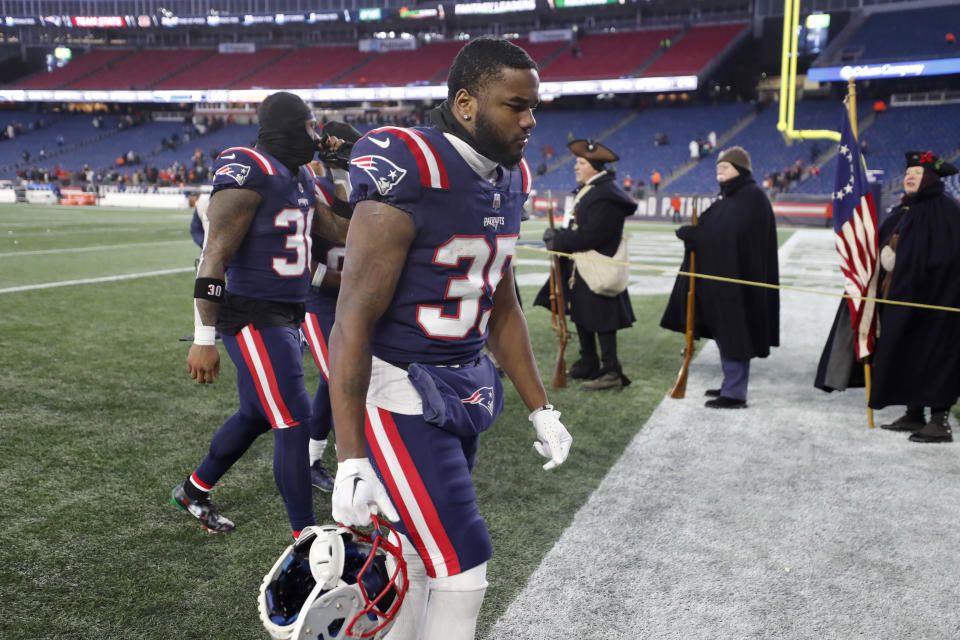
(483,397)
(238,172)
(384,173)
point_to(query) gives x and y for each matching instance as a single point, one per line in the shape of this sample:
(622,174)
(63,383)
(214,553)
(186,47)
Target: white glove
(887,257)
(553,439)
(358,492)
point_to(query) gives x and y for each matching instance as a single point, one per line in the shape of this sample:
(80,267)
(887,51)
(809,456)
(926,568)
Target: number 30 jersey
(273,263)
(466,231)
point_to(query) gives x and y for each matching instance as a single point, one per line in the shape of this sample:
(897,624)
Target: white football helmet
(335,583)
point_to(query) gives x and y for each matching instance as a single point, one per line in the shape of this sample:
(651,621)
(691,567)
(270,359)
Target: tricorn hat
(592,150)
(927,160)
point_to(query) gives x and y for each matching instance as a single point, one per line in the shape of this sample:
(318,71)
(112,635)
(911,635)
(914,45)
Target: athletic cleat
(320,477)
(203,510)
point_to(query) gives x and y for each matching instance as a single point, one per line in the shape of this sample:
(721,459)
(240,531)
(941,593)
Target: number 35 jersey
(466,231)
(273,263)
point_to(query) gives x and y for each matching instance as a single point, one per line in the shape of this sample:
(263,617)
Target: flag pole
(852,112)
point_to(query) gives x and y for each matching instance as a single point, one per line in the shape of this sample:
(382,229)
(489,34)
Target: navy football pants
(272,397)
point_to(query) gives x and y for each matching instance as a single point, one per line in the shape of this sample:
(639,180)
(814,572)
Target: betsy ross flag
(855,223)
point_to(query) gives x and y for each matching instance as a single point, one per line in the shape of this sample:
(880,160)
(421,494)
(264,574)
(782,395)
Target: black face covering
(282,132)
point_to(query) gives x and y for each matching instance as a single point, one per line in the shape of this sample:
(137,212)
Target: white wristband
(321,271)
(204,336)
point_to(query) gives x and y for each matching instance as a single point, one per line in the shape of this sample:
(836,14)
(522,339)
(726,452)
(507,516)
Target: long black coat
(599,218)
(735,238)
(917,357)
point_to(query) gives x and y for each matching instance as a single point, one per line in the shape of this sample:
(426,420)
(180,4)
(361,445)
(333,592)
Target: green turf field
(99,420)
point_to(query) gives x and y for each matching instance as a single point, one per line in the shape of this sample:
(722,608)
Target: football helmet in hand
(335,583)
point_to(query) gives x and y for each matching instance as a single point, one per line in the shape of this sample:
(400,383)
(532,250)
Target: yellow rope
(647,267)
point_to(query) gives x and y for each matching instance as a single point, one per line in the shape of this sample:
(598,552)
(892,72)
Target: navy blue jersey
(323,300)
(466,230)
(273,261)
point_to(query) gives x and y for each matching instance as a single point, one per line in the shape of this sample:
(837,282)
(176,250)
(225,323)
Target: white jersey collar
(482,165)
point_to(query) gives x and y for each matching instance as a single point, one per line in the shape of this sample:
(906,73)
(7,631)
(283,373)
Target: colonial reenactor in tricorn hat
(600,307)
(917,357)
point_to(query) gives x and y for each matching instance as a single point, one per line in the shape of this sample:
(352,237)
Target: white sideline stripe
(102,247)
(67,283)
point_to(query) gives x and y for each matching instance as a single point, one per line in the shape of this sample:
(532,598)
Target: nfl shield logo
(496,201)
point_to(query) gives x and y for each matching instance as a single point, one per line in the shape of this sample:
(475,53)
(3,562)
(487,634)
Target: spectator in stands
(26,156)
(600,209)
(660,139)
(917,356)
(736,237)
(879,107)
(59,141)
(627,183)
(712,139)
(675,205)
(655,179)
(694,150)
(949,38)
(42,154)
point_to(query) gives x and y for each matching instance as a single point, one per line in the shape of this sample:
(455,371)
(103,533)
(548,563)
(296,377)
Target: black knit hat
(927,160)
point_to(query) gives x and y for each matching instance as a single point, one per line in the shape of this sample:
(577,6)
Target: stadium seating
(905,35)
(634,142)
(898,130)
(306,68)
(141,70)
(606,55)
(555,128)
(222,70)
(75,129)
(78,67)
(697,47)
(398,68)
(767,149)
(238,135)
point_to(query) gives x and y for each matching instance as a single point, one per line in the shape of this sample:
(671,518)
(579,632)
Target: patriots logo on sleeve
(382,171)
(483,397)
(238,172)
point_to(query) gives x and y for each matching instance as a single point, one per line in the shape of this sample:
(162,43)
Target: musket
(558,316)
(680,386)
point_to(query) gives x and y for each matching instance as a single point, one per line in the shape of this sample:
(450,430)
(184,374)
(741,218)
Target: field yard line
(67,283)
(103,247)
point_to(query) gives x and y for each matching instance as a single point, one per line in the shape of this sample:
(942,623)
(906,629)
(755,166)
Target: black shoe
(203,510)
(712,393)
(611,379)
(937,430)
(320,477)
(723,402)
(910,421)
(584,369)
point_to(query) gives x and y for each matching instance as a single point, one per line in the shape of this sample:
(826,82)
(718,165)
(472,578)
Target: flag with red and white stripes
(855,224)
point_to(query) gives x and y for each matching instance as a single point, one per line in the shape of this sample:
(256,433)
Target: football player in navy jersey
(333,184)
(426,283)
(262,210)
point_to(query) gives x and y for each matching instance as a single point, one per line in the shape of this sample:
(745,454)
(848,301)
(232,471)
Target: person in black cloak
(600,209)
(736,237)
(917,358)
